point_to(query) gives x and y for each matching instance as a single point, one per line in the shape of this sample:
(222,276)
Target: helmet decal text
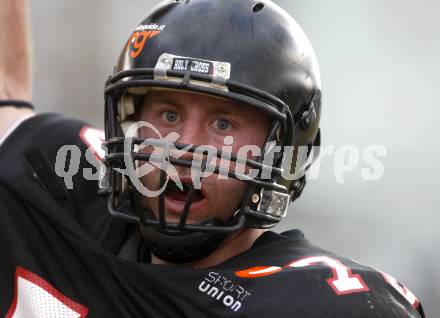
(140,36)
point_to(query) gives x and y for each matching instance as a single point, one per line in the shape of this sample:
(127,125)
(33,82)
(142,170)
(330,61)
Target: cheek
(156,122)
(236,167)
(249,143)
(225,195)
(147,132)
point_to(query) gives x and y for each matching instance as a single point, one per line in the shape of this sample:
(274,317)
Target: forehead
(184,99)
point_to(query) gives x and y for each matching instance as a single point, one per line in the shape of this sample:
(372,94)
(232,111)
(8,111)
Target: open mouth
(173,192)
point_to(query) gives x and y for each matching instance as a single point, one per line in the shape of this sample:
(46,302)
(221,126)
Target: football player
(211,121)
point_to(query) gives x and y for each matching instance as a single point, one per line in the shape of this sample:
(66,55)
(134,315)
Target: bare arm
(15,69)
(15,64)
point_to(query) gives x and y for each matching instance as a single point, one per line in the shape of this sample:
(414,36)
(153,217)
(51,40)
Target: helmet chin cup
(175,247)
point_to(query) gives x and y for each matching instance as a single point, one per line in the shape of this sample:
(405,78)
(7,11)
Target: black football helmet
(249,51)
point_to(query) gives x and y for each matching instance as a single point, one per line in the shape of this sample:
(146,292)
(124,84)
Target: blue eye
(170,116)
(222,124)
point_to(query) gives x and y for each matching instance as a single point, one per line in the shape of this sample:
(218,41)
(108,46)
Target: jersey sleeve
(62,156)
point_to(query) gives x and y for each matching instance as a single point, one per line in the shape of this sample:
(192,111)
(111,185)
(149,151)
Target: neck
(235,244)
(9,115)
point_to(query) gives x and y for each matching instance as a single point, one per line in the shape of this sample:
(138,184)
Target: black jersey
(59,256)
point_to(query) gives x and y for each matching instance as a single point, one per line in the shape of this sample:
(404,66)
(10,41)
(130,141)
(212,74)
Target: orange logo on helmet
(138,39)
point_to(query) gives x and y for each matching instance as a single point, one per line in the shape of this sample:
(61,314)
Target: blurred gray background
(381,74)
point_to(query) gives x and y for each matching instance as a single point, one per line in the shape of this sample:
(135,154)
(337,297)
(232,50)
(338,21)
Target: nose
(191,133)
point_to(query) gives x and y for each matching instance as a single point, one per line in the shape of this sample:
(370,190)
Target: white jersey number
(343,281)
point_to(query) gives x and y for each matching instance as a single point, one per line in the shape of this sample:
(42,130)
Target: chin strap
(16,103)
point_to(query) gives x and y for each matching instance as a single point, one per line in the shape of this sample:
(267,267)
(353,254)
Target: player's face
(201,120)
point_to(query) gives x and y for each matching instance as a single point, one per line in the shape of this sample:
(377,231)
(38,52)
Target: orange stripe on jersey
(258,271)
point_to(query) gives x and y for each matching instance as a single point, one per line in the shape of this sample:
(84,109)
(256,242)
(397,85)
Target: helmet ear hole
(258,7)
